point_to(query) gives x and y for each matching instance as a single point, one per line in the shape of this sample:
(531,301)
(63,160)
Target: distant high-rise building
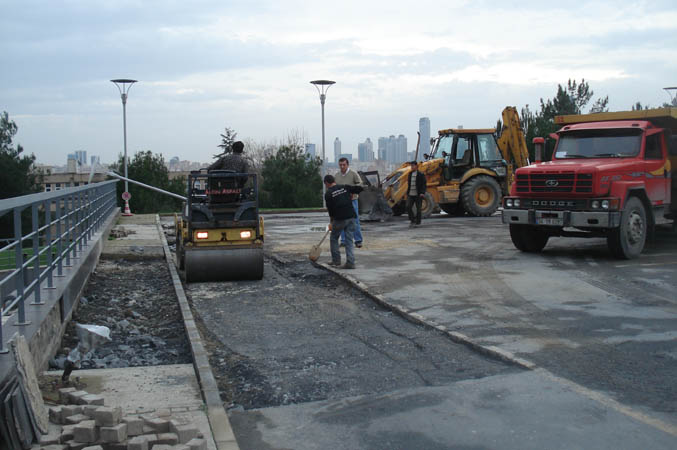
(424,129)
(81,156)
(337,149)
(365,151)
(95,160)
(381,152)
(310,150)
(393,149)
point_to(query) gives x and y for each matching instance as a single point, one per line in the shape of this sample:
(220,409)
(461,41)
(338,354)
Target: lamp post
(322,87)
(673,98)
(123,86)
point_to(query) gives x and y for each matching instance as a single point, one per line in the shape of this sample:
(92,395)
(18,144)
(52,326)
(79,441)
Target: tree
(227,141)
(568,100)
(291,179)
(19,175)
(150,169)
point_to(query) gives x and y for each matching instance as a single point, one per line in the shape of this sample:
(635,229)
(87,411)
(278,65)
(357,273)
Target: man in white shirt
(347,176)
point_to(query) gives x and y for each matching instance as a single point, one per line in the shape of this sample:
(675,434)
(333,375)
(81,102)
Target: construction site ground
(446,336)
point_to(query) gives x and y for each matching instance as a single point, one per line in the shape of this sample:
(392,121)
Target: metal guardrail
(62,222)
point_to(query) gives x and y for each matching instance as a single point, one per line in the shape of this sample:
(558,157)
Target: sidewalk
(187,391)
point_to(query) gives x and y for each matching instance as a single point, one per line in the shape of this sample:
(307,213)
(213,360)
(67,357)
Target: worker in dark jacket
(341,216)
(416,183)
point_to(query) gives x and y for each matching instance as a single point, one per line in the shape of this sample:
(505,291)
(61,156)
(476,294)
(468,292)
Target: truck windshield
(488,148)
(609,143)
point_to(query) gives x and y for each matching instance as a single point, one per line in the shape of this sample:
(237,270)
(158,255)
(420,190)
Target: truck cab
(611,175)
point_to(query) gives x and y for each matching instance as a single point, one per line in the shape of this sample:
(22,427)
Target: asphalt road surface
(309,362)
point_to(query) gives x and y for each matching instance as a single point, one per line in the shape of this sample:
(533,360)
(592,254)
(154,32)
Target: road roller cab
(219,235)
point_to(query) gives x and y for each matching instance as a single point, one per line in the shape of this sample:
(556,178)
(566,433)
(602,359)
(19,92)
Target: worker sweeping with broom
(341,218)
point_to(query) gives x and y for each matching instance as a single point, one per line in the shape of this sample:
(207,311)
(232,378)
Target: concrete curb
(491,351)
(218,419)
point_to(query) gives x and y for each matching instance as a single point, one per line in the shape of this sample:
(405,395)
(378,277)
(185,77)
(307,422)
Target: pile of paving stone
(85,423)
(137,302)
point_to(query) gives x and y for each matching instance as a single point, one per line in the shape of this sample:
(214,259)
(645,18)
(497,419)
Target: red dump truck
(612,175)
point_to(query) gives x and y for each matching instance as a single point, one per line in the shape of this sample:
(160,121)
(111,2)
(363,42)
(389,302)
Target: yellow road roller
(219,234)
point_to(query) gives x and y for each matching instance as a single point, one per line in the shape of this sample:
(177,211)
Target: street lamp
(322,87)
(123,86)
(673,98)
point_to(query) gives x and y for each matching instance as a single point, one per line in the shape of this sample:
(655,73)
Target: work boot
(335,264)
(358,244)
(348,266)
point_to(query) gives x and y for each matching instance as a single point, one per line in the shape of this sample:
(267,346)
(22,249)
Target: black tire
(528,238)
(627,241)
(180,252)
(399,209)
(428,205)
(481,195)
(453,209)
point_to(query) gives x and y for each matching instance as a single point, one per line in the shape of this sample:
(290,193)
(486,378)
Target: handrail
(61,223)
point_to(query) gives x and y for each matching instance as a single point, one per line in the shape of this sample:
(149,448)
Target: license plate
(550,221)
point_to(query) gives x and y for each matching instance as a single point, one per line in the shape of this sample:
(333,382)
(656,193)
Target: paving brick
(63,394)
(197,444)
(53,447)
(66,434)
(92,399)
(55,414)
(158,424)
(152,439)
(181,447)
(134,425)
(70,410)
(72,445)
(167,438)
(73,420)
(88,410)
(163,413)
(185,432)
(117,433)
(50,438)
(163,447)
(93,447)
(107,417)
(115,445)
(85,431)
(137,443)
(75,398)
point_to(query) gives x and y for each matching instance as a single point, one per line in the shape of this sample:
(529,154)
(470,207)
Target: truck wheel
(427,205)
(528,238)
(453,209)
(481,195)
(627,241)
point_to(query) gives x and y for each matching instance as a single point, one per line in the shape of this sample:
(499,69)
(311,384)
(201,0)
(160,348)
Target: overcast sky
(207,64)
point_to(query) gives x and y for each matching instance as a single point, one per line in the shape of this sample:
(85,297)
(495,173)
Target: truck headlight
(508,203)
(595,204)
(605,204)
(500,171)
(517,203)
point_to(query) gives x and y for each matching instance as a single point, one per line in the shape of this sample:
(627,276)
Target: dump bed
(661,117)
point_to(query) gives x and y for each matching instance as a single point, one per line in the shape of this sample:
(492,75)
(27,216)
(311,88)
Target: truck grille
(554,182)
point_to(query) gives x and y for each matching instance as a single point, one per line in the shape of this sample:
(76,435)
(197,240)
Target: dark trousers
(411,200)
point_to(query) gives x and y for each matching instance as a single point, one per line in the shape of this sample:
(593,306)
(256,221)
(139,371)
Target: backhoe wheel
(399,209)
(427,205)
(528,238)
(481,195)
(453,209)
(627,241)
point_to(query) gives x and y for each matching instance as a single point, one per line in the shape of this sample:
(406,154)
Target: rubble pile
(136,301)
(85,423)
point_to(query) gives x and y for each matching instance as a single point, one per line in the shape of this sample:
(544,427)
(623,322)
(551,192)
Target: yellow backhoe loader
(468,170)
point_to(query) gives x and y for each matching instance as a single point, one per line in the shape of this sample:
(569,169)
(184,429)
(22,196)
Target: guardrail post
(35,276)
(19,264)
(59,238)
(48,239)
